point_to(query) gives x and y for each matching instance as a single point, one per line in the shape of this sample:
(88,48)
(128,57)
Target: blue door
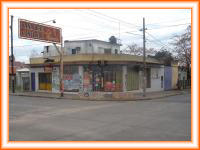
(167,78)
(33,81)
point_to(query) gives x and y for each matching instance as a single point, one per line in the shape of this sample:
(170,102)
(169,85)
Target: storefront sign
(38,32)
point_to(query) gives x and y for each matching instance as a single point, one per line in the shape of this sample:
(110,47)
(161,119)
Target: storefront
(89,76)
(45,81)
(107,78)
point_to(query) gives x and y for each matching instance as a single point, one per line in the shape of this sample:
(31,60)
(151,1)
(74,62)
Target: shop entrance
(45,81)
(108,78)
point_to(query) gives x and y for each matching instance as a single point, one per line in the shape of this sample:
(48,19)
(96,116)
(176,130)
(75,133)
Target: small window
(78,49)
(73,51)
(47,49)
(107,51)
(116,51)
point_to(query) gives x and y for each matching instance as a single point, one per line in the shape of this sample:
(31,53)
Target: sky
(81,24)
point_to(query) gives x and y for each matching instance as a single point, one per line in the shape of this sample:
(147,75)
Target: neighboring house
(23,79)
(16,66)
(182,73)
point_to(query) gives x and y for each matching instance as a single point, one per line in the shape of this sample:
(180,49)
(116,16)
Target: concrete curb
(135,99)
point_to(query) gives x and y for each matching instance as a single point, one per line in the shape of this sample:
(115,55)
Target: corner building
(94,66)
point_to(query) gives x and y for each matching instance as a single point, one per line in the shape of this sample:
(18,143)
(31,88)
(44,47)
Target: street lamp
(61,60)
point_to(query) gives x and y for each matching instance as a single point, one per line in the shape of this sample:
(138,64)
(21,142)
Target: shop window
(108,78)
(113,79)
(71,78)
(70,69)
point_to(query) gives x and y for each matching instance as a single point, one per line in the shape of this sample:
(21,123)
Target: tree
(182,48)
(134,49)
(165,56)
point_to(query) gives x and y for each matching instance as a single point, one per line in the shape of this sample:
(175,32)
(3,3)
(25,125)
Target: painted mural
(72,82)
(55,80)
(87,81)
(71,78)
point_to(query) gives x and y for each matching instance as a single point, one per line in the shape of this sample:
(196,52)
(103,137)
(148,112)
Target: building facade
(92,66)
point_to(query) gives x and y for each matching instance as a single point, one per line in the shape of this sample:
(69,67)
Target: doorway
(45,81)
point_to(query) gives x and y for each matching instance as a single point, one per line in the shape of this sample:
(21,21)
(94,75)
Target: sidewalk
(104,95)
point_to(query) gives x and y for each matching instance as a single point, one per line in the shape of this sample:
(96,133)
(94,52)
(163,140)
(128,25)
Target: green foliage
(164,56)
(182,47)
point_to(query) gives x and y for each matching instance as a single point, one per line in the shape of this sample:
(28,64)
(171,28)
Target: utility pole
(144,60)
(61,52)
(12,57)
(61,68)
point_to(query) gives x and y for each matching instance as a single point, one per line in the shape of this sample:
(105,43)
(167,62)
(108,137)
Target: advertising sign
(38,32)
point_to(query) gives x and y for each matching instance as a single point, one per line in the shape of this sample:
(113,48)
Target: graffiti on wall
(71,82)
(87,81)
(81,85)
(55,79)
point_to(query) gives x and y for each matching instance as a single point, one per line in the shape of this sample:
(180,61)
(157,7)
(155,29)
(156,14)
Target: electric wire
(157,40)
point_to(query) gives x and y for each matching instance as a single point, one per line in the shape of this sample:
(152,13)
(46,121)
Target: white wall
(89,47)
(99,48)
(68,46)
(156,74)
(52,51)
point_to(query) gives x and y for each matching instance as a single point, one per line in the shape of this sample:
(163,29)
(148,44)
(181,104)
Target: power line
(133,33)
(98,19)
(100,16)
(158,41)
(169,26)
(155,38)
(27,45)
(168,21)
(119,20)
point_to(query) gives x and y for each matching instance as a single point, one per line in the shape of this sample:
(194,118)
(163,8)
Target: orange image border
(192,63)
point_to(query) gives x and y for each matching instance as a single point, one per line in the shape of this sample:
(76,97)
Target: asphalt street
(43,119)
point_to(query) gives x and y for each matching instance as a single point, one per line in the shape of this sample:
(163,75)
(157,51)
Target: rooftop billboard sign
(39,32)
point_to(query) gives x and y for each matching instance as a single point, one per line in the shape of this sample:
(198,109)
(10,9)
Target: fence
(184,84)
